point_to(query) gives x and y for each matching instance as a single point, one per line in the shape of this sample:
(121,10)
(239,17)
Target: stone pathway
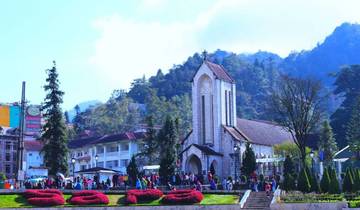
(258,200)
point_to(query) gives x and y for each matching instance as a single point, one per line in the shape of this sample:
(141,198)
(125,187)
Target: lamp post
(73,164)
(96,159)
(312,161)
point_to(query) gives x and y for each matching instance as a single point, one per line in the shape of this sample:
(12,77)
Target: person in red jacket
(267,188)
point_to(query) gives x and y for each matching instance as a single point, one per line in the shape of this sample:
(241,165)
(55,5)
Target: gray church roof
(263,132)
(218,70)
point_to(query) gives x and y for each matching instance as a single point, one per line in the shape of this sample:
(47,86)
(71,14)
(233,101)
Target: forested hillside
(255,75)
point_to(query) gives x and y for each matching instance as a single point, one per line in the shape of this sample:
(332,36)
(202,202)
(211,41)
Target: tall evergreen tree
(54,130)
(334,182)
(325,181)
(348,184)
(249,162)
(150,147)
(132,170)
(167,140)
(303,183)
(327,143)
(66,115)
(353,128)
(348,87)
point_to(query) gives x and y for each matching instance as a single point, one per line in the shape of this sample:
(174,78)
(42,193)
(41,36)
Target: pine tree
(132,170)
(357,180)
(353,128)
(314,183)
(325,181)
(327,143)
(54,131)
(249,162)
(167,140)
(334,182)
(150,147)
(348,182)
(303,183)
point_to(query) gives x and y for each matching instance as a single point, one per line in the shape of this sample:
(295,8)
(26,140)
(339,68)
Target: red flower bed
(135,196)
(183,197)
(88,197)
(49,197)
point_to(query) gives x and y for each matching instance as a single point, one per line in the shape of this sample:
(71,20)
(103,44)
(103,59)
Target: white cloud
(129,48)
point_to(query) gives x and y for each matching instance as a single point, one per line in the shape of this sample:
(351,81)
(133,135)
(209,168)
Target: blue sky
(100,46)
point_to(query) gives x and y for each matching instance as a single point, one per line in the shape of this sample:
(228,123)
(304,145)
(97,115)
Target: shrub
(314,183)
(348,182)
(50,197)
(54,200)
(325,182)
(185,197)
(289,183)
(334,182)
(135,196)
(88,197)
(303,184)
(357,180)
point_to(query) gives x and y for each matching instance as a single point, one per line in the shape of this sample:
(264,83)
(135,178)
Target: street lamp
(96,159)
(73,164)
(312,161)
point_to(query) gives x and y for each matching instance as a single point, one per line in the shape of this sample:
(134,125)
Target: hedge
(135,196)
(88,197)
(49,197)
(183,197)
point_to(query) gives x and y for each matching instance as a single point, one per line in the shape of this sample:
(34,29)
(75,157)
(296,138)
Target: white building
(218,139)
(34,159)
(112,151)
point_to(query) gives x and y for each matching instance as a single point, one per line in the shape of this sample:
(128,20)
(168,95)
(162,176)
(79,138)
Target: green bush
(314,184)
(348,184)
(289,183)
(325,181)
(2,177)
(354,204)
(303,183)
(334,182)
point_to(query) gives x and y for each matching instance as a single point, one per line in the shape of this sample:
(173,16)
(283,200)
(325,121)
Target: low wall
(308,206)
(192,207)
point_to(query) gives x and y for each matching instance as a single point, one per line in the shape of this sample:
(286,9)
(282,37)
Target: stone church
(218,139)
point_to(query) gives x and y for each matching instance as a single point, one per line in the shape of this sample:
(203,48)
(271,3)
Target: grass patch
(18,201)
(213,199)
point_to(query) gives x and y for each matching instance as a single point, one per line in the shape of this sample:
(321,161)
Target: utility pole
(20,171)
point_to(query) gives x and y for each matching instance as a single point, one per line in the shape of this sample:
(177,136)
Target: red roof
(219,72)
(33,145)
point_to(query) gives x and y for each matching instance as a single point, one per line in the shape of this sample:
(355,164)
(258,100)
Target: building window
(8,146)
(203,118)
(7,168)
(116,163)
(112,148)
(230,107)
(83,167)
(14,156)
(124,162)
(226,108)
(99,149)
(7,157)
(100,164)
(124,147)
(30,154)
(109,164)
(14,147)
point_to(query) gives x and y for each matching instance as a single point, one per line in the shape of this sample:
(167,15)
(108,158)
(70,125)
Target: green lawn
(16,201)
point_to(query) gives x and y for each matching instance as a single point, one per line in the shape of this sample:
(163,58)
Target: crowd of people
(153,180)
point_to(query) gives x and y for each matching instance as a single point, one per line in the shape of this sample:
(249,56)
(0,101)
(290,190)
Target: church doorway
(213,167)
(194,165)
